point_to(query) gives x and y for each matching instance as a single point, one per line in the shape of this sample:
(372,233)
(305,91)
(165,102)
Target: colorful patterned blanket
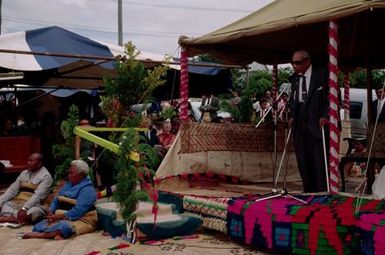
(325,224)
(212,211)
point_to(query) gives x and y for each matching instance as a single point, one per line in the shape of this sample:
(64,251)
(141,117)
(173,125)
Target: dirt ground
(96,243)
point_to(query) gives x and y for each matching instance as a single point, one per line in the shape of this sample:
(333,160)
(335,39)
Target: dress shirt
(307,76)
(41,177)
(380,105)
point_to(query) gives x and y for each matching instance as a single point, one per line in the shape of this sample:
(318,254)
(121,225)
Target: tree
(134,84)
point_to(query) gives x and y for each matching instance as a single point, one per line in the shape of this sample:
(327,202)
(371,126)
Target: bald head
(35,162)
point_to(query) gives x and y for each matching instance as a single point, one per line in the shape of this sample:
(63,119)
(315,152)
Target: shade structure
(53,56)
(270,35)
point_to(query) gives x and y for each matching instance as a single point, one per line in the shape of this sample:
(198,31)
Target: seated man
(353,168)
(72,211)
(148,136)
(262,110)
(21,203)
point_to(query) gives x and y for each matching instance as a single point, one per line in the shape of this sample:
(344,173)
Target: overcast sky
(152,25)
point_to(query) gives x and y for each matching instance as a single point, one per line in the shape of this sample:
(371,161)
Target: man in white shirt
(21,203)
(378,105)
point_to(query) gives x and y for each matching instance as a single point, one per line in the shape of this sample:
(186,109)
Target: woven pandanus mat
(196,137)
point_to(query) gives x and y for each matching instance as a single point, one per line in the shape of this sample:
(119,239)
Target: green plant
(168,113)
(134,84)
(241,112)
(127,194)
(65,152)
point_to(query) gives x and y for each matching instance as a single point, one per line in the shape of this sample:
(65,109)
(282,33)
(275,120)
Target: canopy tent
(53,56)
(56,57)
(271,34)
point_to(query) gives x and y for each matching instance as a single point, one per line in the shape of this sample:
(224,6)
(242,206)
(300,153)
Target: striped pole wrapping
(346,97)
(183,110)
(333,109)
(275,82)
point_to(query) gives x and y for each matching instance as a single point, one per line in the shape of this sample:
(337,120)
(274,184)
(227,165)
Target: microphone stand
(276,175)
(273,107)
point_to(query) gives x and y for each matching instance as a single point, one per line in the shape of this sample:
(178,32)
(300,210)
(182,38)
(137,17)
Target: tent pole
(334,134)
(275,116)
(369,81)
(183,113)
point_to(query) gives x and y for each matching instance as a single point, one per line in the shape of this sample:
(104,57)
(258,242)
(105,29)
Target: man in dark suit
(378,105)
(308,113)
(150,136)
(209,104)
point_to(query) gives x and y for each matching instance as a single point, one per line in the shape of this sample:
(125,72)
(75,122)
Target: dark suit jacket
(381,118)
(268,117)
(212,108)
(316,101)
(152,140)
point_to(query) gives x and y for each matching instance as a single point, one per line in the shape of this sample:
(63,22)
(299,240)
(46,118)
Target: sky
(152,25)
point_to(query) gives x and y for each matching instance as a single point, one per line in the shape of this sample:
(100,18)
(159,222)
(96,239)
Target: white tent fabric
(56,40)
(56,57)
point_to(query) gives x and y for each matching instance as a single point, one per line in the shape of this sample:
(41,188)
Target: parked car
(358,111)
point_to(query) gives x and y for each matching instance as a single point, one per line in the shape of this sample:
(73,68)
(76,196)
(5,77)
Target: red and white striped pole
(275,82)
(183,109)
(346,97)
(333,107)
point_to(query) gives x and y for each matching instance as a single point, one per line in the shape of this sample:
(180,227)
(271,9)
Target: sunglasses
(298,62)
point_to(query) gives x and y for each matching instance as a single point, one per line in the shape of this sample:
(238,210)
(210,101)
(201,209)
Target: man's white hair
(81,166)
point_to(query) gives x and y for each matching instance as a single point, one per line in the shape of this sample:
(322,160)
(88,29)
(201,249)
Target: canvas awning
(271,34)
(53,56)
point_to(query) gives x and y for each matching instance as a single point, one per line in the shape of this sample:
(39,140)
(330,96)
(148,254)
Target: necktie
(208,101)
(303,86)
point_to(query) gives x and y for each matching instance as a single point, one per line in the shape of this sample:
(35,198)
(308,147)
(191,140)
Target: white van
(358,111)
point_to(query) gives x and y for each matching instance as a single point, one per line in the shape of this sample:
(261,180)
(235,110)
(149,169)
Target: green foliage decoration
(128,194)
(241,111)
(168,113)
(134,84)
(358,78)
(149,157)
(65,152)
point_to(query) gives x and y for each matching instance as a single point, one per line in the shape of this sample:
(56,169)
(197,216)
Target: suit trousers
(309,153)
